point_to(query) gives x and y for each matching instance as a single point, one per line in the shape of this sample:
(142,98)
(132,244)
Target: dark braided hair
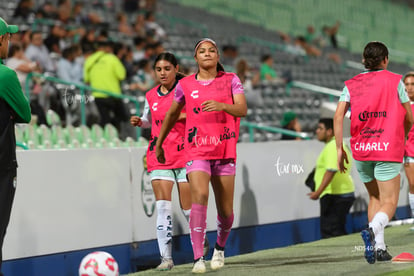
(374,53)
(167,56)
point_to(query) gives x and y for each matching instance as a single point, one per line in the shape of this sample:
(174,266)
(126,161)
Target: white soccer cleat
(199,266)
(166,264)
(217,261)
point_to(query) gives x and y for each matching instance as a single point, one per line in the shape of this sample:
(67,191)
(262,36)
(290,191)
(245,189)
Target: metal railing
(82,88)
(22,145)
(251,126)
(332,93)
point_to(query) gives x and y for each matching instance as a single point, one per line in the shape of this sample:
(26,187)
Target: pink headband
(202,41)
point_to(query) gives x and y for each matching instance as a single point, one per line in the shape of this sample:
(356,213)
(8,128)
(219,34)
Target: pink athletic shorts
(212,167)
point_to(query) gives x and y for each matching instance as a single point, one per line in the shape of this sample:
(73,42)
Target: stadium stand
(255,29)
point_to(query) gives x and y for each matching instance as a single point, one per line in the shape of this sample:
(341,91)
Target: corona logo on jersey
(365,115)
(147,194)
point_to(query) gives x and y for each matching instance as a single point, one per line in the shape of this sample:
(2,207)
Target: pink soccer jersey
(174,143)
(377,120)
(236,87)
(209,135)
(409,144)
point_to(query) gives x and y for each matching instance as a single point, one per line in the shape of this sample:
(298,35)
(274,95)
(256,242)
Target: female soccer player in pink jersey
(163,176)
(381,119)
(409,144)
(214,103)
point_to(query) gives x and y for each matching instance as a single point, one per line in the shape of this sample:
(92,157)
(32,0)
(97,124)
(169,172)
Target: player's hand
(342,158)
(135,121)
(211,105)
(159,153)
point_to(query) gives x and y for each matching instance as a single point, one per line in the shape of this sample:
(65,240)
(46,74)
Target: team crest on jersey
(197,110)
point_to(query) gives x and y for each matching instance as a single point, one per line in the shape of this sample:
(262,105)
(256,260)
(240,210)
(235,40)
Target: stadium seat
(31,137)
(71,136)
(83,134)
(110,132)
(19,133)
(97,132)
(58,135)
(45,136)
(53,118)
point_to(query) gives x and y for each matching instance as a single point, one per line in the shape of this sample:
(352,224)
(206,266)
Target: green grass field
(335,256)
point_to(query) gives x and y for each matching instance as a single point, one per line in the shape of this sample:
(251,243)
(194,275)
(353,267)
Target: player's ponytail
(220,67)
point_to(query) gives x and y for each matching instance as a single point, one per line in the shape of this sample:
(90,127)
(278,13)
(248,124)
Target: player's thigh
(409,171)
(162,183)
(199,186)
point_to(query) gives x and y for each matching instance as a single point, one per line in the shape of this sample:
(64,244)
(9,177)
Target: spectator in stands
(250,80)
(330,32)
(55,41)
(22,37)
(313,39)
(144,79)
(151,26)
(123,25)
(64,13)
(64,4)
(229,55)
(379,104)
(164,175)
(149,51)
(79,55)
(215,105)
(37,51)
(290,122)
(292,47)
(88,39)
(334,190)
(409,144)
(130,6)
(20,64)
(102,35)
(267,73)
(158,48)
(313,51)
(67,68)
(47,11)
(124,53)
(65,18)
(309,49)
(310,35)
(139,25)
(86,49)
(266,70)
(80,17)
(25,10)
(139,48)
(150,5)
(103,70)
(14,108)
